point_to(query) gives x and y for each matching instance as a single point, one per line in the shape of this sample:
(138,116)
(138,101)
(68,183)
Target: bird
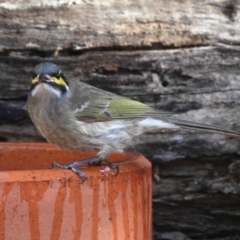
(77,116)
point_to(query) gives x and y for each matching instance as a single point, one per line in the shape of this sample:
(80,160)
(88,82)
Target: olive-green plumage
(75,115)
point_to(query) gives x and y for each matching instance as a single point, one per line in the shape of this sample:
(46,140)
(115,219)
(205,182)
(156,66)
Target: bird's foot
(73,166)
(91,161)
(110,164)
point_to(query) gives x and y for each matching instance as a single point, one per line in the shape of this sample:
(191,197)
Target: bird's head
(48,77)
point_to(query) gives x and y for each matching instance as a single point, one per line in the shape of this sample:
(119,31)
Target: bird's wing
(108,108)
(99,105)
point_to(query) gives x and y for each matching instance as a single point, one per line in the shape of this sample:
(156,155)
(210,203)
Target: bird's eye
(56,75)
(33,76)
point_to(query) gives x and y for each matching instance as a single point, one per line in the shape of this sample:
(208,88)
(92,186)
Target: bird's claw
(80,173)
(74,169)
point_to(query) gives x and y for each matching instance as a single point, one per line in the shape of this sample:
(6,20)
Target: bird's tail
(185,124)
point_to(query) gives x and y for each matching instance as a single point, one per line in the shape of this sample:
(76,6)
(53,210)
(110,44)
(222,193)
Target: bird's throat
(43,90)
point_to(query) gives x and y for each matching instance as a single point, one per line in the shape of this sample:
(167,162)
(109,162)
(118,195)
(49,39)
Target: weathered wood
(201,198)
(179,56)
(59,25)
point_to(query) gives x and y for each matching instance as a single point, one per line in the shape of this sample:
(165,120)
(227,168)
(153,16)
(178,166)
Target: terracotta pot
(40,203)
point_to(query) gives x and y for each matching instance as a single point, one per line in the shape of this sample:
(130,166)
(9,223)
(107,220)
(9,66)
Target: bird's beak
(44,78)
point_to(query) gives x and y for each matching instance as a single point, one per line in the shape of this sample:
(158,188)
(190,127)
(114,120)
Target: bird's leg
(102,158)
(73,165)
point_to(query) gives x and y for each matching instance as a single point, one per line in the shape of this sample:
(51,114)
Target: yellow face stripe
(58,81)
(34,80)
